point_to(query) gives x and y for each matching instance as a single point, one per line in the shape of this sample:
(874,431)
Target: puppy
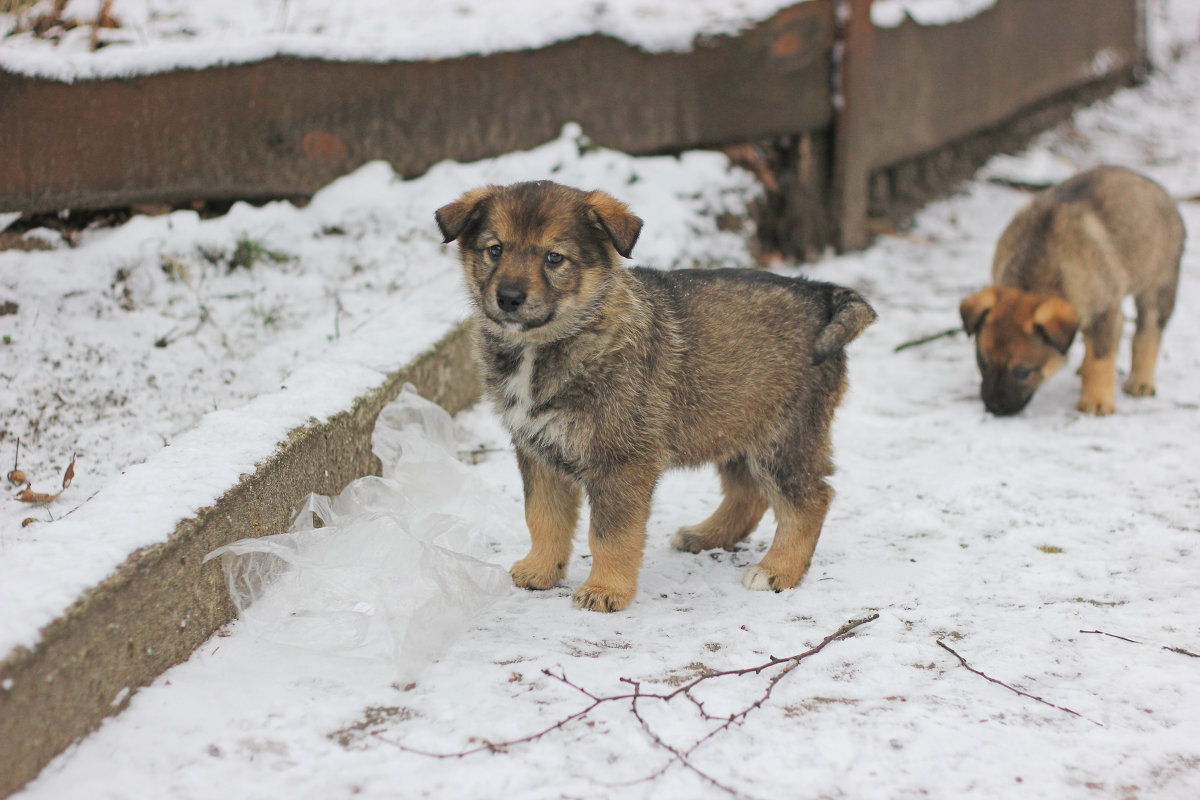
(1063,265)
(606,376)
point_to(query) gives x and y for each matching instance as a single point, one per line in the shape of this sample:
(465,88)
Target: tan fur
(551,512)
(606,376)
(1062,266)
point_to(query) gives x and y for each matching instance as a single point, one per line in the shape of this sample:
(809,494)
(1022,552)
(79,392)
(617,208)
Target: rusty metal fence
(286,126)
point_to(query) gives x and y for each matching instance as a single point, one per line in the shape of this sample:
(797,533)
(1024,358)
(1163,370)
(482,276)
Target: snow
(161,35)
(1025,544)
(891,13)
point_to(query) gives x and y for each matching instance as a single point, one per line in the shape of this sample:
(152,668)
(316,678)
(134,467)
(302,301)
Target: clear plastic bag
(394,567)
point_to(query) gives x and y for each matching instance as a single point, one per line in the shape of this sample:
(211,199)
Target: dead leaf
(28,495)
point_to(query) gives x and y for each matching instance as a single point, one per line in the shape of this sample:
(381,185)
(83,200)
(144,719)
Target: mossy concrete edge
(163,602)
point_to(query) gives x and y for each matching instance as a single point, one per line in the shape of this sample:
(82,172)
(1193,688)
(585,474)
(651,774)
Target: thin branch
(1113,635)
(792,662)
(678,756)
(1179,650)
(963,661)
(500,747)
(774,662)
(933,337)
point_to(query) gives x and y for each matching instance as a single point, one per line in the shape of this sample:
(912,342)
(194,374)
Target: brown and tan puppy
(606,376)
(1064,264)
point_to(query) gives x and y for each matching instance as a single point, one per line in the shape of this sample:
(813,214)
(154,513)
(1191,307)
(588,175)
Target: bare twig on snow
(1043,701)
(677,755)
(933,337)
(1179,650)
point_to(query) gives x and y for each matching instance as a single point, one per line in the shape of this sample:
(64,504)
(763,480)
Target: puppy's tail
(849,315)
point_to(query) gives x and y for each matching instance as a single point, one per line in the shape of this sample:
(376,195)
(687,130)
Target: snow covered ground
(172,354)
(1026,545)
(1055,552)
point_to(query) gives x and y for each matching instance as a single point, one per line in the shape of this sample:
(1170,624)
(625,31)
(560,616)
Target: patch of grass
(270,317)
(373,719)
(815,703)
(175,270)
(687,674)
(1099,603)
(249,252)
(1049,548)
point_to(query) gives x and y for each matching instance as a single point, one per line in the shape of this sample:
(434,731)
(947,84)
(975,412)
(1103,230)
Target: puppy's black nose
(509,299)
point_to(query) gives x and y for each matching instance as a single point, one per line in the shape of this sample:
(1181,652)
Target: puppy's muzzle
(1003,398)
(509,298)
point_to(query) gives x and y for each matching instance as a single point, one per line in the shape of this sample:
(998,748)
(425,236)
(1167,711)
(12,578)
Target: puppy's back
(754,346)
(1111,222)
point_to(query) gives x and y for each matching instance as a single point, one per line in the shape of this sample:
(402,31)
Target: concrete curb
(162,602)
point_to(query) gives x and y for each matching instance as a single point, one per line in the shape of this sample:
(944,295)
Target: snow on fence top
(146,37)
(891,13)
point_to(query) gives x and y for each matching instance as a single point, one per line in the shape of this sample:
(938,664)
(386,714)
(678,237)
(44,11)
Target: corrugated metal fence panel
(981,71)
(913,89)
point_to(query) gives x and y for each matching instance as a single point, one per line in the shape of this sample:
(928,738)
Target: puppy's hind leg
(551,512)
(742,506)
(794,480)
(1154,308)
(799,525)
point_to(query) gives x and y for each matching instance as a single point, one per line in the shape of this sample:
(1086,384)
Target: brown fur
(606,376)
(1063,265)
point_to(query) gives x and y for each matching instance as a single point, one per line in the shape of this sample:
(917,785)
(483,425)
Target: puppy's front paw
(533,573)
(594,597)
(761,578)
(1096,404)
(1138,387)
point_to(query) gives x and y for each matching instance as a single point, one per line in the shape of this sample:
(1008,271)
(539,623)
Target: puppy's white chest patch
(525,414)
(517,390)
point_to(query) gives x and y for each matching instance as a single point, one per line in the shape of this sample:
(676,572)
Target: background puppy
(1064,264)
(607,376)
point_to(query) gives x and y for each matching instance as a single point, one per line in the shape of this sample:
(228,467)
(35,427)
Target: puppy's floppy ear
(1056,321)
(974,309)
(616,220)
(453,219)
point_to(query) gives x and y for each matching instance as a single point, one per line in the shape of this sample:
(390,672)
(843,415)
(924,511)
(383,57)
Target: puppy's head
(1021,339)
(538,257)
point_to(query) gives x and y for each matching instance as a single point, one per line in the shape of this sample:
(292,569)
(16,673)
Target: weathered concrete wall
(162,603)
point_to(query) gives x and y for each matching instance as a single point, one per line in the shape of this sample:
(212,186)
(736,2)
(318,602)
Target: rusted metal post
(852,133)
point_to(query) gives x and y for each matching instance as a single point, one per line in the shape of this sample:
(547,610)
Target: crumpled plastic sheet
(394,567)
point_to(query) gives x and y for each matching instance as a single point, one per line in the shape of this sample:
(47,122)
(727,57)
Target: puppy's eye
(1022,372)
(554,259)
(495,250)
